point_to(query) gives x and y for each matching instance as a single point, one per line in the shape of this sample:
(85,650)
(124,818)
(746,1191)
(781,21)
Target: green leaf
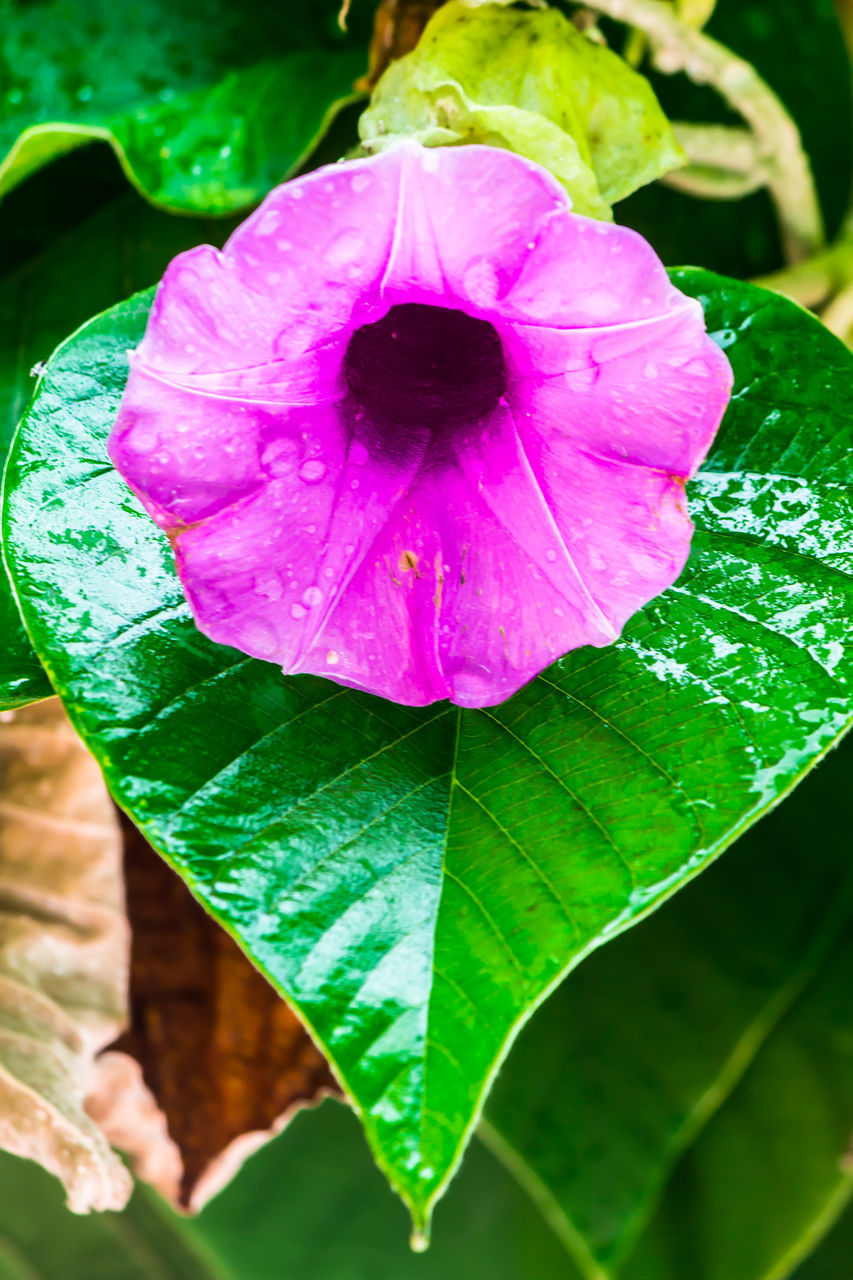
(39,1238)
(767,1173)
(126,246)
(831,1260)
(336,1221)
(309,1204)
(416,881)
(529,81)
(22,677)
(798,47)
(205,109)
(700,1008)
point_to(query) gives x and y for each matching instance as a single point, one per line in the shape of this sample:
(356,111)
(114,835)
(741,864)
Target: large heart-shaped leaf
(207,106)
(125,246)
(684,1041)
(416,881)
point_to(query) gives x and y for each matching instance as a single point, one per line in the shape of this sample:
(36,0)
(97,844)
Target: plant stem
(678,47)
(818,278)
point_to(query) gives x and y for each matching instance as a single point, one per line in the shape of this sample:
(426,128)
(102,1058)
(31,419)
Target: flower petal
(264,573)
(652,392)
(373,509)
(466,224)
(271,313)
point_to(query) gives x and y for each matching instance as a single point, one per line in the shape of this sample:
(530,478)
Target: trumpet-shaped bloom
(418,427)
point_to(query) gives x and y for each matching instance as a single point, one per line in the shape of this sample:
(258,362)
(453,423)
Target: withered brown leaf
(397,28)
(224,1057)
(63,951)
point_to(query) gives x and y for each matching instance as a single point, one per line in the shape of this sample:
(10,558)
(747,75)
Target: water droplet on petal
(260,639)
(550,555)
(312,596)
(480,281)
(347,247)
(358,454)
(312,471)
(333,658)
(269,222)
(279,458)
(297,611)
(360,182)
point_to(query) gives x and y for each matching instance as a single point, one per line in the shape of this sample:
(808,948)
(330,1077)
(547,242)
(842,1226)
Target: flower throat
(423,367)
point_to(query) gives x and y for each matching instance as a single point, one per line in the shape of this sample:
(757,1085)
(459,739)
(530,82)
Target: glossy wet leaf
(63,951)
(22,677)
(529,81)
(622,1074)
(125,246)
(417,880)
(206,110)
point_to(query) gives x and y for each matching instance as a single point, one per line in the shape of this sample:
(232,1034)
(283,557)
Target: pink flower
(418,427)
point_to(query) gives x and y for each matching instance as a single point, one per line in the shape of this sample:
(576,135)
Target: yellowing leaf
(63,951)
(529,81)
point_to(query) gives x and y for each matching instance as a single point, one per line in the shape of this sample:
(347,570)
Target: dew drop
(347,246)
(260,639)
(550,555)
(297,611)
(312,471)
(358,454)
(480,281)
(312,596)
(269,222)
(333,658)
(279,458)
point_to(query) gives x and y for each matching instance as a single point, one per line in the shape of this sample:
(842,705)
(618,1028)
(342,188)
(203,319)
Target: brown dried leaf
(224,1057)
(397,27)
(63,951)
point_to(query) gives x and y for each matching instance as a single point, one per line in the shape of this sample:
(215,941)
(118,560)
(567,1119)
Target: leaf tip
(419,1239)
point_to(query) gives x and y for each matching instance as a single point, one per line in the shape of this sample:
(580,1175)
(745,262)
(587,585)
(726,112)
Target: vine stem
(817,279)
(676,46)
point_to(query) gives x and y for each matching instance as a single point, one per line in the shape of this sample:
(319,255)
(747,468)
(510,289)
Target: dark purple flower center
(422,368)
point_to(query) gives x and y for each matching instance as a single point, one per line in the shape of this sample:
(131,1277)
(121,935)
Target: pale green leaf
(529,81)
